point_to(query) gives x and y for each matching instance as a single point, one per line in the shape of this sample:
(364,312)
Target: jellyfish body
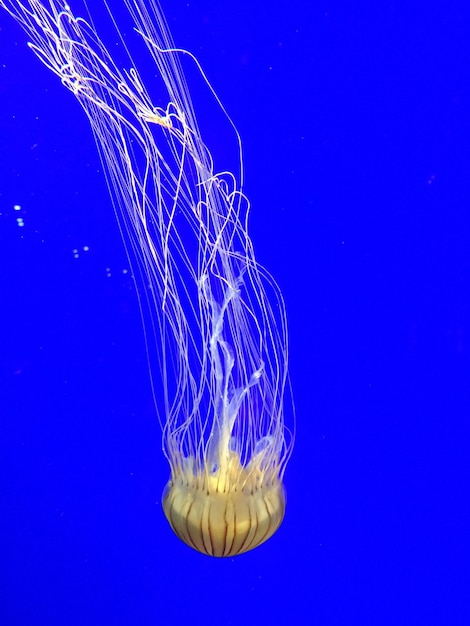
(214,318)
(230,511)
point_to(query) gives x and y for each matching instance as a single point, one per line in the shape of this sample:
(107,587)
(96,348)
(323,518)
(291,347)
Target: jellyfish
(214,318)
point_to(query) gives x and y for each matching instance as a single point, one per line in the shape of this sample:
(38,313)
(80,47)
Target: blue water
(356,128)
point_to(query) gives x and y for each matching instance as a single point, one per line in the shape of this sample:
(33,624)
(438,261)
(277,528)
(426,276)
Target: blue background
(355,120)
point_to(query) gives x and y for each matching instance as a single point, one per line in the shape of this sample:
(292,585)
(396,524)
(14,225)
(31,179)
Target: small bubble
(17,207)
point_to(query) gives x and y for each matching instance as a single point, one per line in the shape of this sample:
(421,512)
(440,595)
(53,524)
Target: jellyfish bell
(214,318)
(225,508)
(226,511)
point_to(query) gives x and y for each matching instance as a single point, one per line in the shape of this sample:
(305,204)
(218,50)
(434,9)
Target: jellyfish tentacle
(214,318)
